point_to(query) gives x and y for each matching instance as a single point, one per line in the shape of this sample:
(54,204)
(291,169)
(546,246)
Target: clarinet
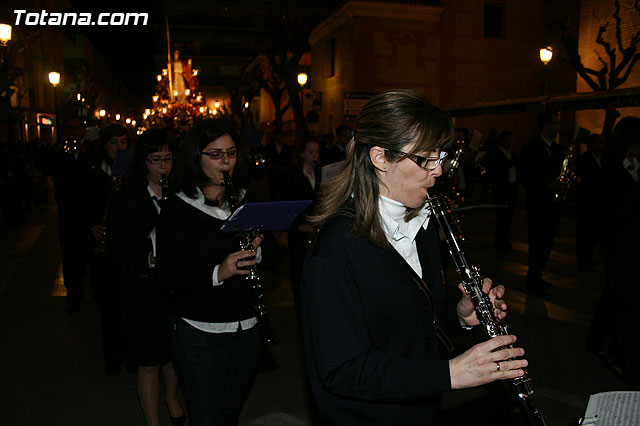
(244,241)
(472,283)
(164,186)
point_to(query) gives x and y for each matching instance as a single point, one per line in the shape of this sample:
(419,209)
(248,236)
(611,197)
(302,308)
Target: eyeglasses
(218,154)
(157,160)
(427,163)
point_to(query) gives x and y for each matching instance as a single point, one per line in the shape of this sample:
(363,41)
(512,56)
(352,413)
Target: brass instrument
(244,241)
(472,283)
(567,177)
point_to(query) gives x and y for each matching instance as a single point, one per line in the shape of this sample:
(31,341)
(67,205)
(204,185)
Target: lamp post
(546,54)
(54,79)
(302,80)
(5,38)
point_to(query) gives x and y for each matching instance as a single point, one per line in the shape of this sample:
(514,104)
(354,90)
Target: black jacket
(189,245)
(371,348)
(539,168)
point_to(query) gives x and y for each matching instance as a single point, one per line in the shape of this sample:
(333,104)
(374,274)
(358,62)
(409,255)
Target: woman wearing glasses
(132,219)
(213,326)
(370,341)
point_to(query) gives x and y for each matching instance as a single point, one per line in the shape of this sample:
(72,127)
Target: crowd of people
(143,218)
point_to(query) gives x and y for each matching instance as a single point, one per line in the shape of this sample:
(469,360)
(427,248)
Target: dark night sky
(129,50)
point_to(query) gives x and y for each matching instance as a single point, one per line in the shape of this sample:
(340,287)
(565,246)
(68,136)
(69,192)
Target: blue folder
(272,216)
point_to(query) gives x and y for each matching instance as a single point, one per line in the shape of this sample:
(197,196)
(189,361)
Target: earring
(385,167)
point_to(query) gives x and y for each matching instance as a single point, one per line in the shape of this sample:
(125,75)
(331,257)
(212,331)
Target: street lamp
(546,53)
(302,79)
(5,38)
(54,79)
(5,34)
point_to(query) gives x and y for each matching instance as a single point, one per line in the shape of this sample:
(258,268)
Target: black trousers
(216,371)
(542,225)
(75,249)
(504,194)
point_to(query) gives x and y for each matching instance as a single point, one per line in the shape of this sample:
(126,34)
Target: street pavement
(52,373)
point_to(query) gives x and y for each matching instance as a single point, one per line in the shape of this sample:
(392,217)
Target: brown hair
(391,120)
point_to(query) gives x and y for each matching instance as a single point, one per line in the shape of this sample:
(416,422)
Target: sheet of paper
(613,409)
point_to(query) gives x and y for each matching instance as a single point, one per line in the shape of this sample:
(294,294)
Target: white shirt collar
(546,141)
(633,170)
(222,212)
(392,214)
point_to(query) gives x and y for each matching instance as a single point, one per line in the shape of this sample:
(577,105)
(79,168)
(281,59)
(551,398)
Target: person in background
(71,181)
(131,223)
(104,279)
(214,329)
(612,335)
(302,184)
(589,201)
(279,156)
(501,163)
(335,152)
(540,165)
(371,337)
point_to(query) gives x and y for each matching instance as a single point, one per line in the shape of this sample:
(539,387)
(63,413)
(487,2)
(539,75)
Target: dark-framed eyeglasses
(218,154)
(426,163)
(158,160)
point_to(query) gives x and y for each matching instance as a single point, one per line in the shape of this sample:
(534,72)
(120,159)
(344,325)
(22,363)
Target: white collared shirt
(401,234)
(152,233)
(632,167)
(513,174)
(222,213)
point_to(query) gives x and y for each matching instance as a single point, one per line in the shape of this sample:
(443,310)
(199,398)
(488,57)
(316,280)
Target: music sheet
(613,409)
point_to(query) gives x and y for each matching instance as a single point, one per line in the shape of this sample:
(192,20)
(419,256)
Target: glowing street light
(5,34)
(546,53)
(54,78)
(117,117)
(302,79)
(103,113)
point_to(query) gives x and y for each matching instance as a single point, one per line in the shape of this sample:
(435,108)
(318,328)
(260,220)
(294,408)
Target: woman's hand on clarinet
(257,241)
(466,311)
(487,362)
(236,264)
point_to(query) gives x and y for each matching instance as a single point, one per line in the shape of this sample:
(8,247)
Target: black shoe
(176,421)
(113,369)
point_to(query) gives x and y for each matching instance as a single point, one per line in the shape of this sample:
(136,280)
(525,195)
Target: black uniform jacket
(370,344)
(190,245)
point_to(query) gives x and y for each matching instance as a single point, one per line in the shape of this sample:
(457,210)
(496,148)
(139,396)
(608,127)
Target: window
(494,20)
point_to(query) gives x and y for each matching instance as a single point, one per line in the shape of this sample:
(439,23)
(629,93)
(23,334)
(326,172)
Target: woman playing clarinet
(214,328)
(373,310)
(132,220)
